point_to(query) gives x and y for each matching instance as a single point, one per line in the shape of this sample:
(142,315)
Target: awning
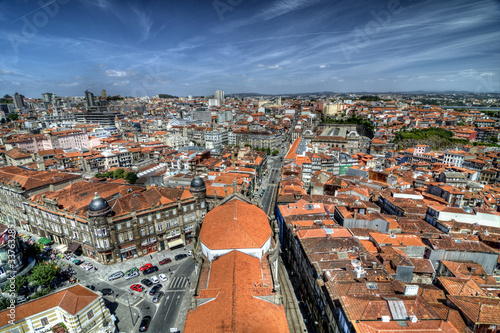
(176,242)
(74,246)
(60,247)
(44,241)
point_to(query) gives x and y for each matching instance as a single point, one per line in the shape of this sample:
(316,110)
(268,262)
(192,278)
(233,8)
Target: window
(143,233)
(167,213)
(184,209)
(141,220)
(174,211)
(128,224)
(151,229)
(150,218)
(158,216)
(160,226)
(130,235)
(191,206)
(120,238)
(44,321)
(90,314)
(118,226)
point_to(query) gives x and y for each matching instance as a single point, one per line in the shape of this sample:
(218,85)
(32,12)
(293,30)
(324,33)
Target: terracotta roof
(479,310)
(72,300)
(235,284)
(235,225)
(29,179)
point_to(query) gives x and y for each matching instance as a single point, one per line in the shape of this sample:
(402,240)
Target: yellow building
(76,308)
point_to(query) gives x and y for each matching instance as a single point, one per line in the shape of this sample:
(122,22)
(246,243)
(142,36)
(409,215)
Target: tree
(131,177)
(4,303)
(32,250)
(13,116)
(118,173)
(6,99)
(44,273)
(20,281)
(275,152)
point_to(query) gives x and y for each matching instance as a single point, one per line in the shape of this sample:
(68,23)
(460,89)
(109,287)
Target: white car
(190,253)
(131,275)
(154,279)
(163,277)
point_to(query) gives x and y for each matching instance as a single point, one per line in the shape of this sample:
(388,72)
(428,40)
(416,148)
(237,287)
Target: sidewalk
(103,271)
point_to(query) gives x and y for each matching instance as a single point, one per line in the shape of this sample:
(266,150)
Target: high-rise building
(47,97)
(89,98)
(104,95)
(18,101)
(219,95)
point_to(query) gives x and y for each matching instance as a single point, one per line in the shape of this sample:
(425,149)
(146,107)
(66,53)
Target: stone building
(114,222)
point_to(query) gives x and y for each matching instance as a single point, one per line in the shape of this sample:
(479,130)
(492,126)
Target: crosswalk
(178,282)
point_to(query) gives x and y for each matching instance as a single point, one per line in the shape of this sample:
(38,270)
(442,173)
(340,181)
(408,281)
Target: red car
(165,261)
(137,287)
(146,266)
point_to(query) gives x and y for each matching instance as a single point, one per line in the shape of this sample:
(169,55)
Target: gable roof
(234,305)
(71,300)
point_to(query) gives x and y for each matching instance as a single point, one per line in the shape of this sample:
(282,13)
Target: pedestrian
(151,256)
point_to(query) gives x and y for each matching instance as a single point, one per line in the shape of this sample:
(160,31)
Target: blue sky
(139,48)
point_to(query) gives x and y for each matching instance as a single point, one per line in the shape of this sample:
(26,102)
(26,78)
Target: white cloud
(324,66)
(115,73)
(121,83)
(16,83)
(69,84)
(270,66)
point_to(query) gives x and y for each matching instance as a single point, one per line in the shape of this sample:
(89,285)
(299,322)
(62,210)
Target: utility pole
(130,309)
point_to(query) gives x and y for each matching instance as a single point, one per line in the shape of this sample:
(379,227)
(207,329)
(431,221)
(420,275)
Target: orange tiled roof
(72,300)
(234,286)
(235,225)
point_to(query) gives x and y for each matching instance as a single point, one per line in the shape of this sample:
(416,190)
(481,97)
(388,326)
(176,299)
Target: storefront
(175,243)
(149,246)
(128,252)
(90,251)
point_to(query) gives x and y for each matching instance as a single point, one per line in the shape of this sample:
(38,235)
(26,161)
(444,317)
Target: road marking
(168,310)
(138,302)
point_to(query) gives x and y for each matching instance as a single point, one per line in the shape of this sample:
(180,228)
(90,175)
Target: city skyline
(287,46)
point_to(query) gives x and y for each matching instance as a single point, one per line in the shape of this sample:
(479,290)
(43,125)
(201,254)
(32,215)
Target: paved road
(166,314)
(172,310)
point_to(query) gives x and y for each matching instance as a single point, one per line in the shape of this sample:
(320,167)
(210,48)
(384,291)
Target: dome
(98,206)
(197,183)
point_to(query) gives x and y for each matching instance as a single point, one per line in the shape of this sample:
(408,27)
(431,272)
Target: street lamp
(130,309)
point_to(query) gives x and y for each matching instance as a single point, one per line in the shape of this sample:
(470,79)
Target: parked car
(77,262)
(158,297)
(133,269)
(154,279)
(190,253)
(115,275)
(91,287)
(163,277)
(106,291)
(147,282)
(181,256)
(150,270)
(145,266)
(165,261)
(131,275)
(155,289)
(146,320)
(137,287)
